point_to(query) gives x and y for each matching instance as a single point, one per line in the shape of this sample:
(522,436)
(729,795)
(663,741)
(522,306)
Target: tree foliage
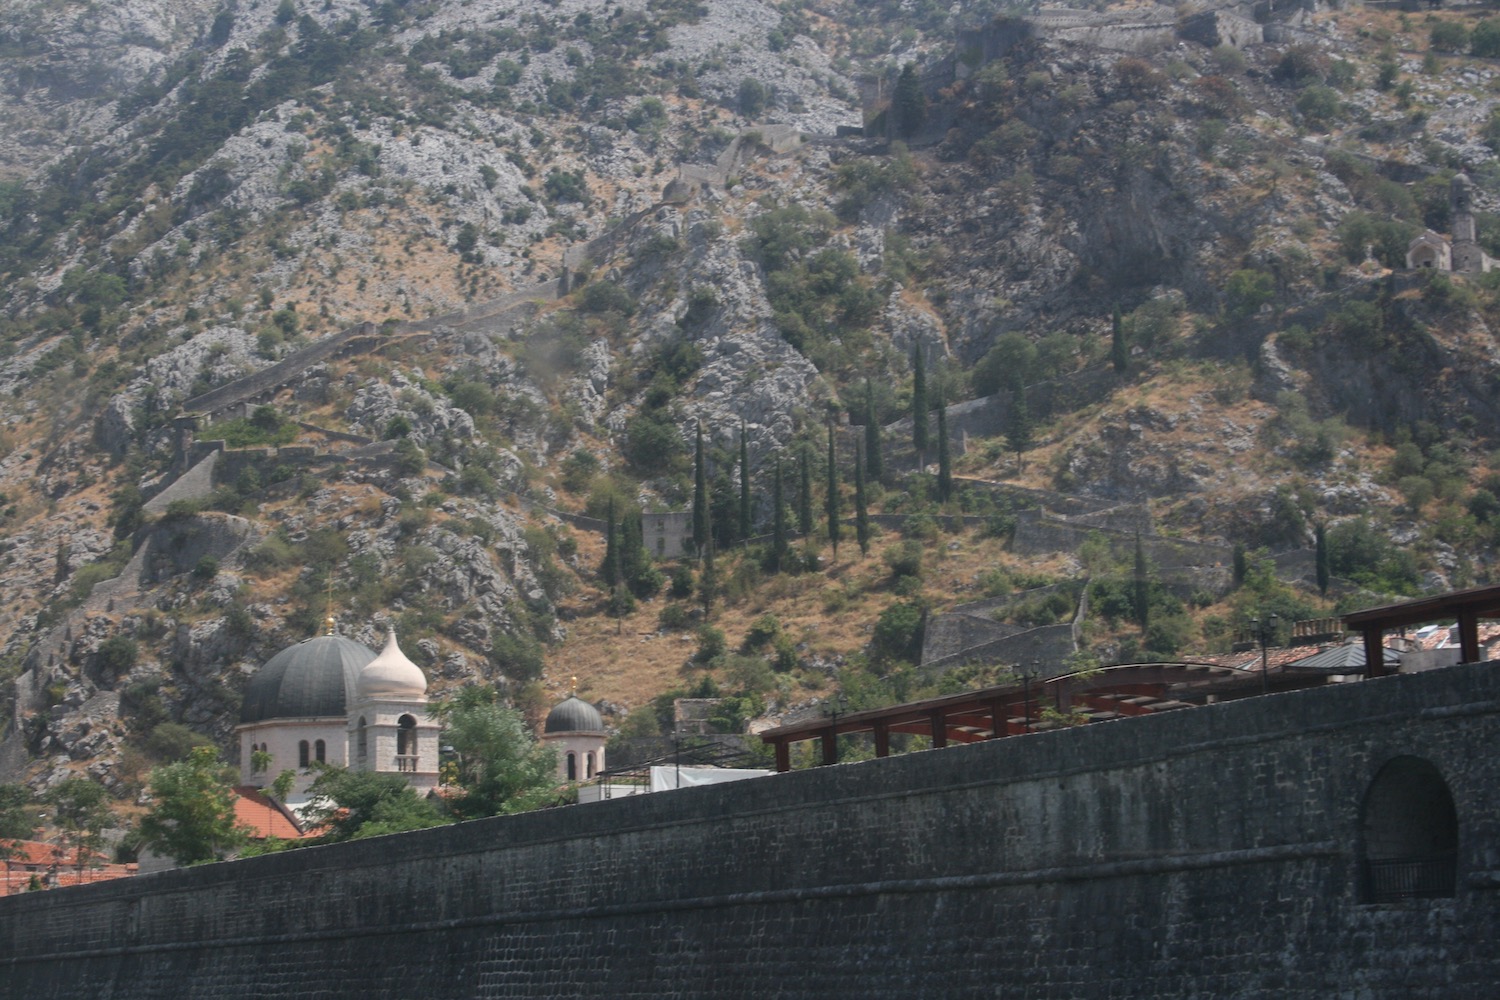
(1119,354)
(898,633)
(861,508)
(500,767)
(919,401)
(744,506)
(361,804)
(191,819)
(945,455)
(700,495)
(909,103)
(16,819)
(831,494)
(80,810)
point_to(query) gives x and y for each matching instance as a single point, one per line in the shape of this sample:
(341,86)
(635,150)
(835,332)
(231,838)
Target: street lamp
(835,706)
(1026,676)
(1264,632)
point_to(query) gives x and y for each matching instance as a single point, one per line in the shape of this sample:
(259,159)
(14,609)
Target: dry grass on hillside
(831,611)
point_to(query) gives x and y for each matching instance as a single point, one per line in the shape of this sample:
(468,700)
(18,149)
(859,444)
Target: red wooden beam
(938,728)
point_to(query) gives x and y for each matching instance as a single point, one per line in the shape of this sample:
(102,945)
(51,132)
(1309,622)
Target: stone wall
(1207,852)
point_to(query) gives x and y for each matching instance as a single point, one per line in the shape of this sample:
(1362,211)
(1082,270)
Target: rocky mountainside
(447,279)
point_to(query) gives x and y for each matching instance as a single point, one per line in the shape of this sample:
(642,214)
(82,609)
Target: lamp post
(832,710)
(1026,676)
(1264,631)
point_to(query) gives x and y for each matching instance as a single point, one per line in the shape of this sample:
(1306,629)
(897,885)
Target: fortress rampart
(1207,852)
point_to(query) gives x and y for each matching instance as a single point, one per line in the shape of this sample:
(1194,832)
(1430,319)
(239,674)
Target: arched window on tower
(302,753)
(320,750)
(1410,829)
(572,766)
(588,765)
(406,743)
(361,739)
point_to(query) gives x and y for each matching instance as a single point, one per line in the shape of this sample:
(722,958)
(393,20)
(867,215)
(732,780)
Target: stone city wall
(1205,852)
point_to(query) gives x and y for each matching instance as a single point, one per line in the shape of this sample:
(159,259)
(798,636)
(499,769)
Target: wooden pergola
(1466,606)
(1017,708)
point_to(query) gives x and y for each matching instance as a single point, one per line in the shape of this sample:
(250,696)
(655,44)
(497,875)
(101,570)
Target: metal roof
(317,678)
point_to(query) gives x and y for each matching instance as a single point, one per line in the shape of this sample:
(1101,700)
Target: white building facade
(332,700)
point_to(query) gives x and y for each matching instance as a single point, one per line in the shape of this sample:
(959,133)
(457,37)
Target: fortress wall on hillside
(1204,852)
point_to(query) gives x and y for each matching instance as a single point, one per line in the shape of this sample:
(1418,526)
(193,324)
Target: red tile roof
(55,866)
(264,815)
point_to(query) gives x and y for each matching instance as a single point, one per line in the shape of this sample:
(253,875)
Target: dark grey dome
(314,679)
(574,716)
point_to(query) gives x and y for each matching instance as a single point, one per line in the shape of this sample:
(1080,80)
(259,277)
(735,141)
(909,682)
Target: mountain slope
(245,182)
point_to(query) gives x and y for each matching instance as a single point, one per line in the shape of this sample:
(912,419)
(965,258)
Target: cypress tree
(875,465)
(744,485)
(1320,539)
(908,103)
(804,492)
(1239,564)
(1118,355)
(708,580)
(1142,586)
(919,404)
(610,571)
(724,511)
(632,550)
(945,458)
(831,501)
(778,524)
(700,497)
(861,511)
(1018,423)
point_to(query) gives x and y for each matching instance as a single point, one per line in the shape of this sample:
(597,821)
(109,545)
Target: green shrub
(672,618)
(172,741)
(1484,42)
(712,643)
(407,459)
(1361,324)
(116,656)
(905,559)
(579,470)
(1359,552)
(606,296)
(1320,105)
(1449,36)
(518,657)
(898,633)
(564,186)
(763,631)
(270,555)
(653,443)
(1246,292)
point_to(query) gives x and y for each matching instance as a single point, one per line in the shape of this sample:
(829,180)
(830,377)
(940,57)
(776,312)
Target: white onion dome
(392,675)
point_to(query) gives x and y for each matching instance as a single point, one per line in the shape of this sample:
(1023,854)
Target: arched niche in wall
(1409,831)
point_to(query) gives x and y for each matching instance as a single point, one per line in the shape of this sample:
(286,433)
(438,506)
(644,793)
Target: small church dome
(392,675)
(574,716)
(314,679)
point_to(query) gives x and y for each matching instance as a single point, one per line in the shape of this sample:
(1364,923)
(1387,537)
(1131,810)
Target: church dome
(314,679)
(392,675)
(574,716)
